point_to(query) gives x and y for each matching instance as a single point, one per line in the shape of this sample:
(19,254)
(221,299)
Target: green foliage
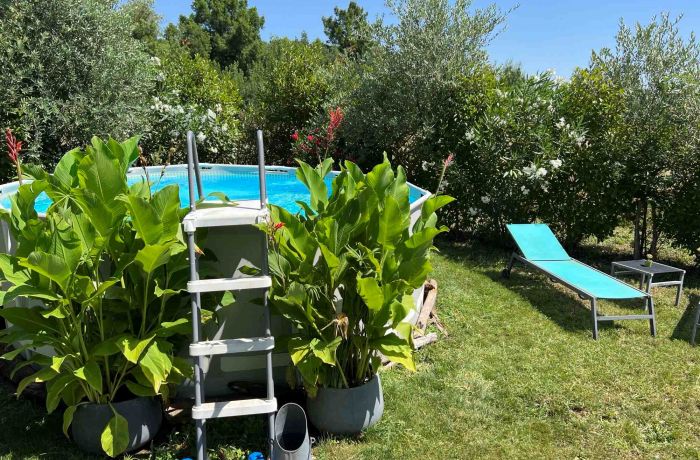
(288,86)
(348,29)
(193,94)
(659,73)
(403,101)
(188,34)
(71,68)
(144,21)
(233,28)
(344,272)
(99,280)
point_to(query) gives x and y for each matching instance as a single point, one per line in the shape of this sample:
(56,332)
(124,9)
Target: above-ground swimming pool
(236,182)
(233,248)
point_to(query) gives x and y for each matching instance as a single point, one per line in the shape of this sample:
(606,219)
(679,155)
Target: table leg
(680,290)
(649,278)
(641,281)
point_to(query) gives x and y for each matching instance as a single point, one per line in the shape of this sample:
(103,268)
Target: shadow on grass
(684,326)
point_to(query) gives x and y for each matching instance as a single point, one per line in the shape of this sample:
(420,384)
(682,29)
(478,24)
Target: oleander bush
(193,93)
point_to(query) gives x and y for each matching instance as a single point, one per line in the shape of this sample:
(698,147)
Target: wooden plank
(428,306)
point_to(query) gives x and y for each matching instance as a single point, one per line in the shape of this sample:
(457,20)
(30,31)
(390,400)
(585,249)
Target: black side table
(647,274)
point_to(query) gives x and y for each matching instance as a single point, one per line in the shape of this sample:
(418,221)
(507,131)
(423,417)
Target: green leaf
(68,418)
(151,257)
(29,319)
(140,390)
(371,293)
(132,347)
(12,271)
(108,347)
(313,181)
(44,375)
(170,328)
(392,222)
(101,173)
(434,203)
(156,365)
(223,198)
(115,437)
(395,349)
(92,374)
(147,223)
(10,355)
(54,389)
(50,266)
(227,299)
(325,351)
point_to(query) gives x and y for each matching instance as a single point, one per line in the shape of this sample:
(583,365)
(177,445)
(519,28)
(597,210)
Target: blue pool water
(237,183)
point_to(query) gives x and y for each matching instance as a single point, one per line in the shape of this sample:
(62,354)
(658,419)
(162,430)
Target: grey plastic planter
(291,434)
(347,411)
(144,416)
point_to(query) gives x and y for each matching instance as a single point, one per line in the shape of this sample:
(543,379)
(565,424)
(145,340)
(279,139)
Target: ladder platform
(232,346)
(229,284)
(234,408)
(209,214)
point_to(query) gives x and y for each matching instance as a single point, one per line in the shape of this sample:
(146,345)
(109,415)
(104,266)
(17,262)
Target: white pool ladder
(202,350)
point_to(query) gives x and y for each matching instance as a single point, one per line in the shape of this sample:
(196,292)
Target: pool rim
(10,188)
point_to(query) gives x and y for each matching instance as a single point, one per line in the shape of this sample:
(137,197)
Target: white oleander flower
(211,114)
(486,199)
(541,172)
(525,190)
(561,123)
(555,163)
(201,136)
(473,211)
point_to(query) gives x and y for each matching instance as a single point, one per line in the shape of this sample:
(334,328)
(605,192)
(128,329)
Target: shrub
(70,69)
(103,273)
(514,143)
(345,270)
(193,94)
(289,86)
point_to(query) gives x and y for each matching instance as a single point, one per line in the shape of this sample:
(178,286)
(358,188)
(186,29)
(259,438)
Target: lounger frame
(648,301)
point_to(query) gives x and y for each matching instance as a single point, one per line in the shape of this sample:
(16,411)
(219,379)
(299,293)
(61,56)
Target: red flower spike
(295,136)
(14,147)
(278,225)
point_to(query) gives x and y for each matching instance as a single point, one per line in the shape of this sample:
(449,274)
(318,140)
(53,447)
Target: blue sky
(539,34)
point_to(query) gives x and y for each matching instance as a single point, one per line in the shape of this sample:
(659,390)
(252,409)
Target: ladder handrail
(261,170)
(193,174)
(194,180)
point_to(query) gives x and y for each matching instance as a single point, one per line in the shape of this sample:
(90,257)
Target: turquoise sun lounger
(540,249)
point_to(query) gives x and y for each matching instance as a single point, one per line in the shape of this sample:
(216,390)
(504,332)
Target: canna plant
(99,279)
(344,271)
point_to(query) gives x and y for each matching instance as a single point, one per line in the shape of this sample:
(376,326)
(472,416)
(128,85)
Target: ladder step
(232,346)
(234,408)
(209,215)
(229,284)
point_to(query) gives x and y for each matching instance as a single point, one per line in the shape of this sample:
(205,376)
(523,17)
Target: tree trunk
(637,231)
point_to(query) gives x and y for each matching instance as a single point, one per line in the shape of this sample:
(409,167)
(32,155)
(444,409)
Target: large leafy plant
(100,277)
(345,270)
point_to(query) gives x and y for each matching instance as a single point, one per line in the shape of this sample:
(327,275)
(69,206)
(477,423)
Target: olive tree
(404,101)
(658,70)
(71,70)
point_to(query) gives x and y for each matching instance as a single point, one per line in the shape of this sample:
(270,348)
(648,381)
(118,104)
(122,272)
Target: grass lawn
(518,377)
